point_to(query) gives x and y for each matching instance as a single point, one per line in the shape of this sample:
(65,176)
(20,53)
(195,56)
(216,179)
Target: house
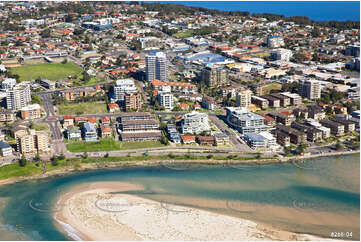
(196,106)
(206,140)
(184,106)
(188,139)
(105,131)
(113,107)
(68,120)
(105,120)
(80,119)
(5,149)
(73,133)
(89,132)
(92,120)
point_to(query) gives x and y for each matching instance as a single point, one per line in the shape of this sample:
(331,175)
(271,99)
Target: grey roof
(4,145)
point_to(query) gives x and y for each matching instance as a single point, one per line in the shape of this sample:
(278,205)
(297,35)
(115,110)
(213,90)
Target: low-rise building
(284,118)
(32,111)
(206,140)
(336,128)
(349,126)
(7,116)
(283,138)
(208,103)
(141,136)
(295,99)
(313,134)
(188,139)
(261,102)
(316,112)
(255,140)
(296,137)
(221,138)
(195,123)
(284,100)
(105,131)
(5,149)
(273,102)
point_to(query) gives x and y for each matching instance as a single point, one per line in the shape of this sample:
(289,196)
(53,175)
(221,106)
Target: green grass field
(185,34)
(52,72)
(110,144)
(82,108)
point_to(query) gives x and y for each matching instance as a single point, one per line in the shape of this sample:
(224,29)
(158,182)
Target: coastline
(159,221)
(147,163)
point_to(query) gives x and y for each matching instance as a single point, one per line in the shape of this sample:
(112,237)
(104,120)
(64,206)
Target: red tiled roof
(188,137)
(92,120)
(68,117)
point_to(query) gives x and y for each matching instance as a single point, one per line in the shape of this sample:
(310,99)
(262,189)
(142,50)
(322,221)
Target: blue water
(317,197)
(315,10)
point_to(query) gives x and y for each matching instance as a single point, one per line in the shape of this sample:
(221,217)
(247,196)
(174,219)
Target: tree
(85,155)
(54,161)
(338,146)
(22,161)
(64,61)
(61,156)
(106,155)
(46,33)
(301,148)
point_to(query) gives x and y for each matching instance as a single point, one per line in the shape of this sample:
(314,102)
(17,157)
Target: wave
(71,232)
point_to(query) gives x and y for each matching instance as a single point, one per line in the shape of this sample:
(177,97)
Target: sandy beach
(100,211)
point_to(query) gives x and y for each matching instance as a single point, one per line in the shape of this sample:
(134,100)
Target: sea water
(317,196)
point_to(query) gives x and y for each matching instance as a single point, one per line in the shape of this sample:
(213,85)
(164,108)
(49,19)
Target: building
(221,138)
(326,132)
(139,125)
(283,138)
(214,76)
(105,131)
(144,136)
(273,102)
(89,132)
(296,137)
(255,140)
(348,124)
(295,99)
(177,87)
(156,67)
(33,142)
(281,54)
(188,139)
(353,50)
(245,121)
(32,111)
(284,100)
(7,116)
(122,87)
(208,103)
(149,42)
(113,107)
(271,141)
(313,134)
(283,118)
(206,140)
(166,100)
(261,102)
(132,102)
(8,83)
(47,84)
(73,133)
(310,89)
(336,128)
(244,98)
(275,41)
(316,112)
(195,123)
(68,120)
(5,149)
(75,93)
(18,96)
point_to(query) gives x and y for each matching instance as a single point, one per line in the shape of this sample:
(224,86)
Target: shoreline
(80,219)
(148,163)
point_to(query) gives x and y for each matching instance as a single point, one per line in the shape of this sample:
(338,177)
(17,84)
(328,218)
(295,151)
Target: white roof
(31,107)
(267,135)
(128,82)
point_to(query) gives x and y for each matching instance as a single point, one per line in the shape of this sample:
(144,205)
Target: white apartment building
(275,41)
(195,123)
(123,86)
(281,54)
(166,100)
(157,67)
(18,97)
(243,98)
(310,89)
(8,83)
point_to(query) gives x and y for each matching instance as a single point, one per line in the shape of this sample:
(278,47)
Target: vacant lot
(110,144)
(52,72)
(82,108)
(185,34)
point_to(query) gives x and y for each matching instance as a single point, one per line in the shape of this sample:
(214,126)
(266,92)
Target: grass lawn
(110,144)
(14,170)
(82,108)
(185,34)
(54,72)
(40,126)
(272,86)
(101,145)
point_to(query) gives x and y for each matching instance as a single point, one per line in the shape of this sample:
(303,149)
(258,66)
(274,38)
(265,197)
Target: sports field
(82,108)
(54,72)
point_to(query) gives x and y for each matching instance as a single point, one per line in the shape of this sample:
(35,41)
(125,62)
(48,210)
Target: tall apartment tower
(18,97)
(310,89)
(157,67)
(244,98)
(214,77)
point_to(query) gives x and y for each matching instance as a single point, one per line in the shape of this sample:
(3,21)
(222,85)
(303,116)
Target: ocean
(315,10)
(316,196)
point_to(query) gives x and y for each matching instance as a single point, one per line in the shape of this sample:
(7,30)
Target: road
(58,145)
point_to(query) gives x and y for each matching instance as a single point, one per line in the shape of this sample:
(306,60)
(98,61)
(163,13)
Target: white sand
(93,212)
